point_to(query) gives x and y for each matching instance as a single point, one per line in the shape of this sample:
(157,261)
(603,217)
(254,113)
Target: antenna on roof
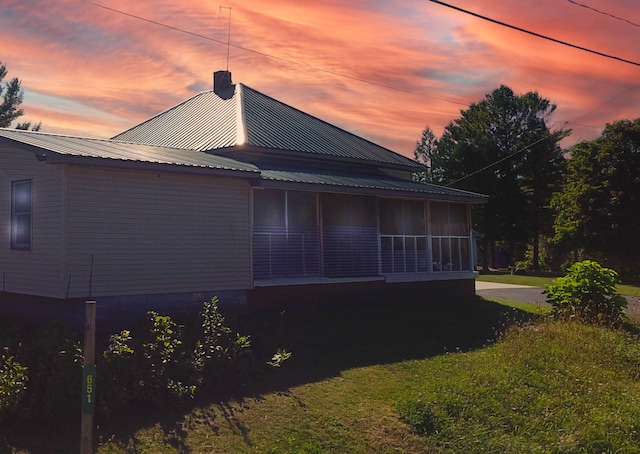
(228,33)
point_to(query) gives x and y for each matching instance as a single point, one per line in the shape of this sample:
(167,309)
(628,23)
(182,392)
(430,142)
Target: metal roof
(202,122)
(207,122)
(60,148)
(368,184)
(69,146)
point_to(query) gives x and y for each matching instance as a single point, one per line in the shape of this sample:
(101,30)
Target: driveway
(510,292)
(534,295)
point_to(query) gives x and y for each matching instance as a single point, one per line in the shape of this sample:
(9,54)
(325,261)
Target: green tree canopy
(598,208)
(12,96)
(503,146)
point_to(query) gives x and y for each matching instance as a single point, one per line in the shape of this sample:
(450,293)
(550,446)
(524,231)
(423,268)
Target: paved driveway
(534,295)
(510,292)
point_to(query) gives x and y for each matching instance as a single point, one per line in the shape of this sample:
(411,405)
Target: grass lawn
(402,376)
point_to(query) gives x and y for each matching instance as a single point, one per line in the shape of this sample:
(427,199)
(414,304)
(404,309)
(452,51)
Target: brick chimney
(222,85)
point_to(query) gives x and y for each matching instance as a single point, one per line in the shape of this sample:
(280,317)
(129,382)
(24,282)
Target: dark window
(21,215)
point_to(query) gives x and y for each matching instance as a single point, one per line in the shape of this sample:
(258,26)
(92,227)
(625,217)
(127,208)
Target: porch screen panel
(303,241)
(403,236)
(349,235)
(285,234)
(450,237)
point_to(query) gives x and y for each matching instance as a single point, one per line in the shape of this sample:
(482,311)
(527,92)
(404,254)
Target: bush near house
(588,293)
(13,383)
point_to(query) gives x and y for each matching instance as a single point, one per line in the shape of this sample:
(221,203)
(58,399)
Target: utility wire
(538,35)
(487,167)
(604,13)
(228,44)
(574,122)
(263,54)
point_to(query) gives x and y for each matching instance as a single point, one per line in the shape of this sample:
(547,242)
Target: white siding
(38,271)
(150,233)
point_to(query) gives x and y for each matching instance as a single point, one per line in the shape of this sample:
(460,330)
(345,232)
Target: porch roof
(378,185)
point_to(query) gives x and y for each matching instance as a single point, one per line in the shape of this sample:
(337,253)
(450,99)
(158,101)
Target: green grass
(548,387)
(401,376)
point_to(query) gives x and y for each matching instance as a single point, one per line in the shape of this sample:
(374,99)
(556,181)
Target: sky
(384,70)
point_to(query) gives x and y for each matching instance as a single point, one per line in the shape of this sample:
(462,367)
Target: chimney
(222,85)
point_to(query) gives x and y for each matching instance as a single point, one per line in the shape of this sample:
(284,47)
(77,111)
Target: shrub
(588,293)
(13,383)
(163,364)
(221,357)
(120,373)
(279,357)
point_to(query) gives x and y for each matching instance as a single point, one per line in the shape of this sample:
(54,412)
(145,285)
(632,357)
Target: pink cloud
(406,65)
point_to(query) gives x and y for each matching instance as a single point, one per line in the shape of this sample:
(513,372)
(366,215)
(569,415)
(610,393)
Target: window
(21,215)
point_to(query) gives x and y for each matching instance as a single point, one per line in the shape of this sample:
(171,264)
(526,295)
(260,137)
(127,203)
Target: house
(229,193)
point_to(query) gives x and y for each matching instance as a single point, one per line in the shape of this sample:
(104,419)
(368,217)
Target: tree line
(548,207)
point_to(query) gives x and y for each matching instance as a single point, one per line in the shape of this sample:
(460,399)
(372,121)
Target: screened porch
(300,234)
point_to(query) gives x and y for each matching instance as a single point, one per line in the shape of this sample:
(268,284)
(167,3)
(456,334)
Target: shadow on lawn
(323,341)
(343,336)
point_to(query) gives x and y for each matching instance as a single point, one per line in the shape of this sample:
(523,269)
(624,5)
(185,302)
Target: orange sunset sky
(381,69)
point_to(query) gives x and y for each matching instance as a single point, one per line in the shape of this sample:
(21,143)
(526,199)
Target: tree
(502,146)
(426,152)
(12,95)
(598,207)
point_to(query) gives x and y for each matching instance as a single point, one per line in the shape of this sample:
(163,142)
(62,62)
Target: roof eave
(93,161)
(260,152)
(471,198)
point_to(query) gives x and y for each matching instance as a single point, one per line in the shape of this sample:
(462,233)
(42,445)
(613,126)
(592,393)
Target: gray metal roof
(207,122)
(69,146)
(203,122)
(377,185)
(60,148)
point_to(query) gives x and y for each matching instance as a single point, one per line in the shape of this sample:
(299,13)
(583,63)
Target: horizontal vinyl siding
(39,270)
(150,233)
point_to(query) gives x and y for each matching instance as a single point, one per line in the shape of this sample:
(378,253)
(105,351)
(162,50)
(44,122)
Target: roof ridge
(409,161)
(241,117)
(54,134)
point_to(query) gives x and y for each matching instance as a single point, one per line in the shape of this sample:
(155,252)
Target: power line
(538,35)
(263,54)
(487,167)
(604,13)
(334,73)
